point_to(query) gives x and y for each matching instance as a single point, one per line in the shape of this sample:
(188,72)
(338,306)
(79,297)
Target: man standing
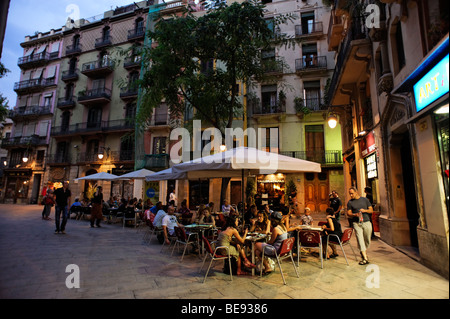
(96,212)
(336,204)
(62,199)
(360,210)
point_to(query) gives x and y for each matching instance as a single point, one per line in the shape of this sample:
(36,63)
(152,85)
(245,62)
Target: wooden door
(317,191)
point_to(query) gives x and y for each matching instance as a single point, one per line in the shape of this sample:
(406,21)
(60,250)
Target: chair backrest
(347,235)
(207,245)
(286,246)
(309,238)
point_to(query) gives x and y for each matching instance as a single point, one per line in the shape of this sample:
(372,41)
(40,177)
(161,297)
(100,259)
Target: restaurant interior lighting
(442,110)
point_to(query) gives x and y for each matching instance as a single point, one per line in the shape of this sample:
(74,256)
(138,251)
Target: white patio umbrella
(139,174)
(165,175)
(102,176)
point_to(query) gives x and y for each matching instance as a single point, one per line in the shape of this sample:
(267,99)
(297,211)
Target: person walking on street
(96,212)
(336,204)
(369,196)
(48,204)
(62,199)
(360,210)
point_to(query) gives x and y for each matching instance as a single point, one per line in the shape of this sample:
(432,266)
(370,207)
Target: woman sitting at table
(333,226)
(261,224)
(184,211)
(234,244)
(279,233)
(205,217)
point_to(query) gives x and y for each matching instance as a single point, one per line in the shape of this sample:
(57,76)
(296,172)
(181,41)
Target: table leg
(253,257)
(298,249)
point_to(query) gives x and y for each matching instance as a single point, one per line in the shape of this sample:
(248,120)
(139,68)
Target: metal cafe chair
(344,240)
(215,256)
(129,214)
(185,239)
(284,251)
(310,239)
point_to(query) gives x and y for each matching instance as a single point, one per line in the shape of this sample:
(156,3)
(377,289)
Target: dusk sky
(25,17)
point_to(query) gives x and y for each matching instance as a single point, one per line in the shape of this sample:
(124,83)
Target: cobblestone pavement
(114,262)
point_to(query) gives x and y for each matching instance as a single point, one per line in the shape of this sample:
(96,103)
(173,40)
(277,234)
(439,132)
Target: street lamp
(332,120)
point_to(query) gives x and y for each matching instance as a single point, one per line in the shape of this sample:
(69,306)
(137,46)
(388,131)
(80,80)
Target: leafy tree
(3,100)
(178,67)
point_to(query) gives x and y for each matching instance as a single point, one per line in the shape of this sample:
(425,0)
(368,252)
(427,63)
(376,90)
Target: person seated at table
(139,204)
(110,202)
(333,226)
(159,217)
(261,224)
(267,210)
(307,218)
(85,202)
(252,213)
(148,204)
(122,206)
(227,209)
(168,223)
(235,245)
(212,208)
(185,213)
(279,233)
(155,209)
(205,217)
(77,203)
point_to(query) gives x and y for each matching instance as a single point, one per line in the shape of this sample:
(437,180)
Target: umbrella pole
(243,196)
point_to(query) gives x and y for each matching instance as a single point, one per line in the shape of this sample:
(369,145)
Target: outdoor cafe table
(252,238)
(200,228)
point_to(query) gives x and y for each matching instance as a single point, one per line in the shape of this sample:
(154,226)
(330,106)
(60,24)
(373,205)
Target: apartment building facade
(394,118)
(28,144)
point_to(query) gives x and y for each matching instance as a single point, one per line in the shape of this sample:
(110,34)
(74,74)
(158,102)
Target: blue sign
(432,86)
(150,193)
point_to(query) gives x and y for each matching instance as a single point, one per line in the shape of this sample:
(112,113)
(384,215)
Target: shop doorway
(35,189)
(317,191)
(236,192)
(410,191)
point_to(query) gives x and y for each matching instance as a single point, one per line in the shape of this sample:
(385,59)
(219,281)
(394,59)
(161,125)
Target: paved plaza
(115,263)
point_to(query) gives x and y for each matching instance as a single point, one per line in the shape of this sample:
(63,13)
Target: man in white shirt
(227,208)
(169,222)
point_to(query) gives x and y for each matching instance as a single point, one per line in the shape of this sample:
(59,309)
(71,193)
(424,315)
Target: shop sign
(367,144)
(371,166)
(433,85)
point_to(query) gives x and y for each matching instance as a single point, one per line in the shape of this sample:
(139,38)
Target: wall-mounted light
(25,159)
(223,148)
(102,152)
(332,120)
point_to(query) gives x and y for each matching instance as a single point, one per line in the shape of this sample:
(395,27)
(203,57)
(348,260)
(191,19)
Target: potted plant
(300,107)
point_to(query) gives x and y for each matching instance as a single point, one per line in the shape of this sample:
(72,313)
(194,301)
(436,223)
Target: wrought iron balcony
(307,30)
(153,161)
(24,141)
(98,69)
(132,62)
(100,95)
(268,109)
(70,75)
(29,112)
(129,93)
(311,64)
(137,33)
(65,103)
(89,157)
(73,49)
(33,60)
(59,159)
(122,156)
(93,127)
(103,42)
(323,157)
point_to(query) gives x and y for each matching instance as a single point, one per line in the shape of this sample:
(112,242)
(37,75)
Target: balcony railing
(122,156)
(66,102)
(34,60)
(98,68)
(132,62)
(24,141)
(73,49)
(311,64)
(94,96)
(103,42)
(59,158)
(90,157)
(94,127)
(129,92)
(323,157)
(315,28)
(267,109)
(156,161)
(30,111)
(69,75)
(136,33)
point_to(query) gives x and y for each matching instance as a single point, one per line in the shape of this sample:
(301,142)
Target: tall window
(126,148)
(94,117)
(159,145)
(307,19)
(312,95)
(400,48)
